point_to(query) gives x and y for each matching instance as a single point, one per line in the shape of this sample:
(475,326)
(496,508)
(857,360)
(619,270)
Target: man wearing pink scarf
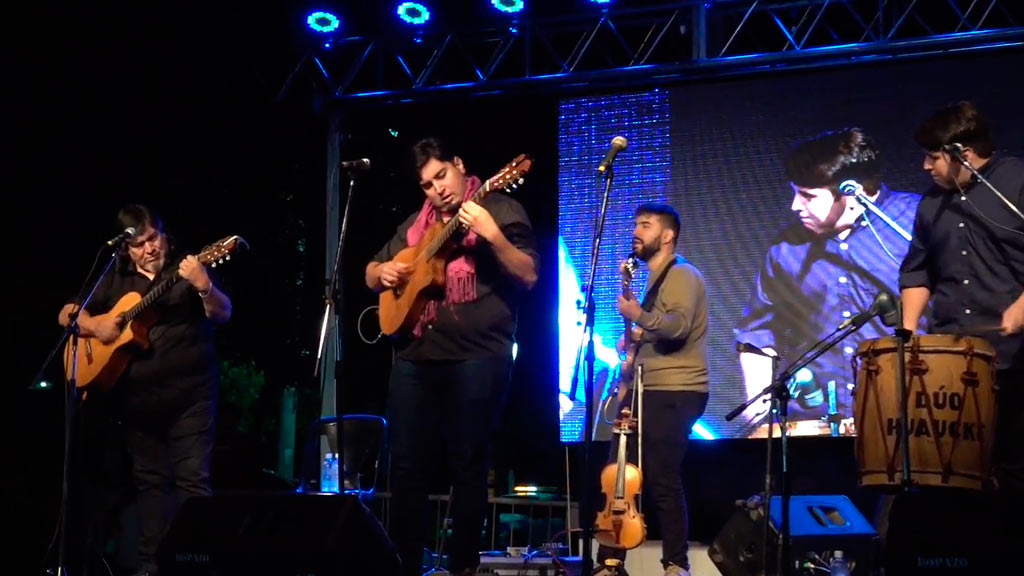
(452,371)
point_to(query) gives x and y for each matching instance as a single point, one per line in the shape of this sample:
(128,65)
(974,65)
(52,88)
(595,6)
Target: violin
(619,524)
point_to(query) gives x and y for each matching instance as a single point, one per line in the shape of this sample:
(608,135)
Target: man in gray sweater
(673,319)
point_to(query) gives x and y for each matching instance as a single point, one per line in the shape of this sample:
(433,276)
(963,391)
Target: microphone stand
(330,324)
(768,465)
(902,336)
(586,520)
(952,151)
(779,393)
(331,292)
(70,397)
(852,188)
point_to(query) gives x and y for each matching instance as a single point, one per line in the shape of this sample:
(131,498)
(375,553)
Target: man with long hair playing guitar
(165,396)
(474,254)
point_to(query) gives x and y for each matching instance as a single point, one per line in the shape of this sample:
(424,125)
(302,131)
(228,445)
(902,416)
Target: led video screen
(716,152)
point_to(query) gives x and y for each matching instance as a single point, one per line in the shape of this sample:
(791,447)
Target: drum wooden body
(951,410)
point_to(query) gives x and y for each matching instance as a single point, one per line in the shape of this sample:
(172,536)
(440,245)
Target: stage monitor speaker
(819,525)
(271,534)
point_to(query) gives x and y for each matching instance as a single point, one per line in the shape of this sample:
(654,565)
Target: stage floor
(642,561)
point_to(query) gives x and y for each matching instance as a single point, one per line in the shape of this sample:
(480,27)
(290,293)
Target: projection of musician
(825,266)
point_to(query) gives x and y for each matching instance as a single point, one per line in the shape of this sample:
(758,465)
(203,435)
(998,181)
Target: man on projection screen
(823,268)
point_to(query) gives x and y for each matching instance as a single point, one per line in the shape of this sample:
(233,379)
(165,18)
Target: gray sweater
(673,349)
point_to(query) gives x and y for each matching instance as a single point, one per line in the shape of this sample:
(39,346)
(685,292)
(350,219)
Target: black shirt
(180,365)
(968,250)
(483,327)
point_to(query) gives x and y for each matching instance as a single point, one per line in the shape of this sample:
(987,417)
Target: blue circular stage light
(323,22)
(413,13)
(600,1)
(510,6)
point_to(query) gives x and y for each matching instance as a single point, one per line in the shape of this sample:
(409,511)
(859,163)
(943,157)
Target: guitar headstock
(629,268)
(511,175)
(221,250)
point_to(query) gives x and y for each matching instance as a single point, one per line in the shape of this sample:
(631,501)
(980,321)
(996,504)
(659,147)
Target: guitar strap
(648,301)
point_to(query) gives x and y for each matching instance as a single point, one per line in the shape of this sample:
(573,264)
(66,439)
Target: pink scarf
(459,273)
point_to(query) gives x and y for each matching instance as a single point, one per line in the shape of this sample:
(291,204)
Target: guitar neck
(626,321)
(453,224)
(627,294)
(150,297)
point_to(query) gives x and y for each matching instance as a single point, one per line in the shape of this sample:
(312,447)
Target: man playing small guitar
(456,269)
(165,395)
(673,353)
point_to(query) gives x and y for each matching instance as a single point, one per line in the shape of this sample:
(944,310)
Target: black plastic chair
(364,436)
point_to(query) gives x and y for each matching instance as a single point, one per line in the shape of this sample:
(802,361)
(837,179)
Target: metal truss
(639,44)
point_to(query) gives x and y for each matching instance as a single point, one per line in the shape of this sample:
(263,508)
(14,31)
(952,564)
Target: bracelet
(206,294)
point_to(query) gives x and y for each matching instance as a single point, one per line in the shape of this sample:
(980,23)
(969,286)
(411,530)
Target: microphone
(618,144)
(849,187)
(128,233)
(361,164)
(884,305)
(804,389)
(954,149)
(747,347)
(893,316)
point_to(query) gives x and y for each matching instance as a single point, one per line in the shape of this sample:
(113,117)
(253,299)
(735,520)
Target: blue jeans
(459,403)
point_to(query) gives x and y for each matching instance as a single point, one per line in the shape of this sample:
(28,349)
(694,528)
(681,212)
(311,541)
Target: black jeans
(174,453)
(666,421)
(459,402)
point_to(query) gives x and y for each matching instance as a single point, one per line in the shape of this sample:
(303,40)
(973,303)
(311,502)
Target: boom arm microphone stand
(956,150)
(852,188)
(71,396)
(329,326)
(331,295)
(778,392)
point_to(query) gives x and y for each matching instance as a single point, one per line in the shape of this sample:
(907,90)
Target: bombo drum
(951,410)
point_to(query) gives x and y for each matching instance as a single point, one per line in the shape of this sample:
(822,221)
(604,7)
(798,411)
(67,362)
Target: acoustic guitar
(100,365)
(401,306)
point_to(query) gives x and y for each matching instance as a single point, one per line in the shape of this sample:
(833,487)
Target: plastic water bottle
(329,473)
(838,565)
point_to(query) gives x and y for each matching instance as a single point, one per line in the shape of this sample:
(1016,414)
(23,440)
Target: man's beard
(645,251)
(156,266)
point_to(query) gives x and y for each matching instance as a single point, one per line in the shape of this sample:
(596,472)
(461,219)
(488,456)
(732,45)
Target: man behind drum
(967,259)
(825,266)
